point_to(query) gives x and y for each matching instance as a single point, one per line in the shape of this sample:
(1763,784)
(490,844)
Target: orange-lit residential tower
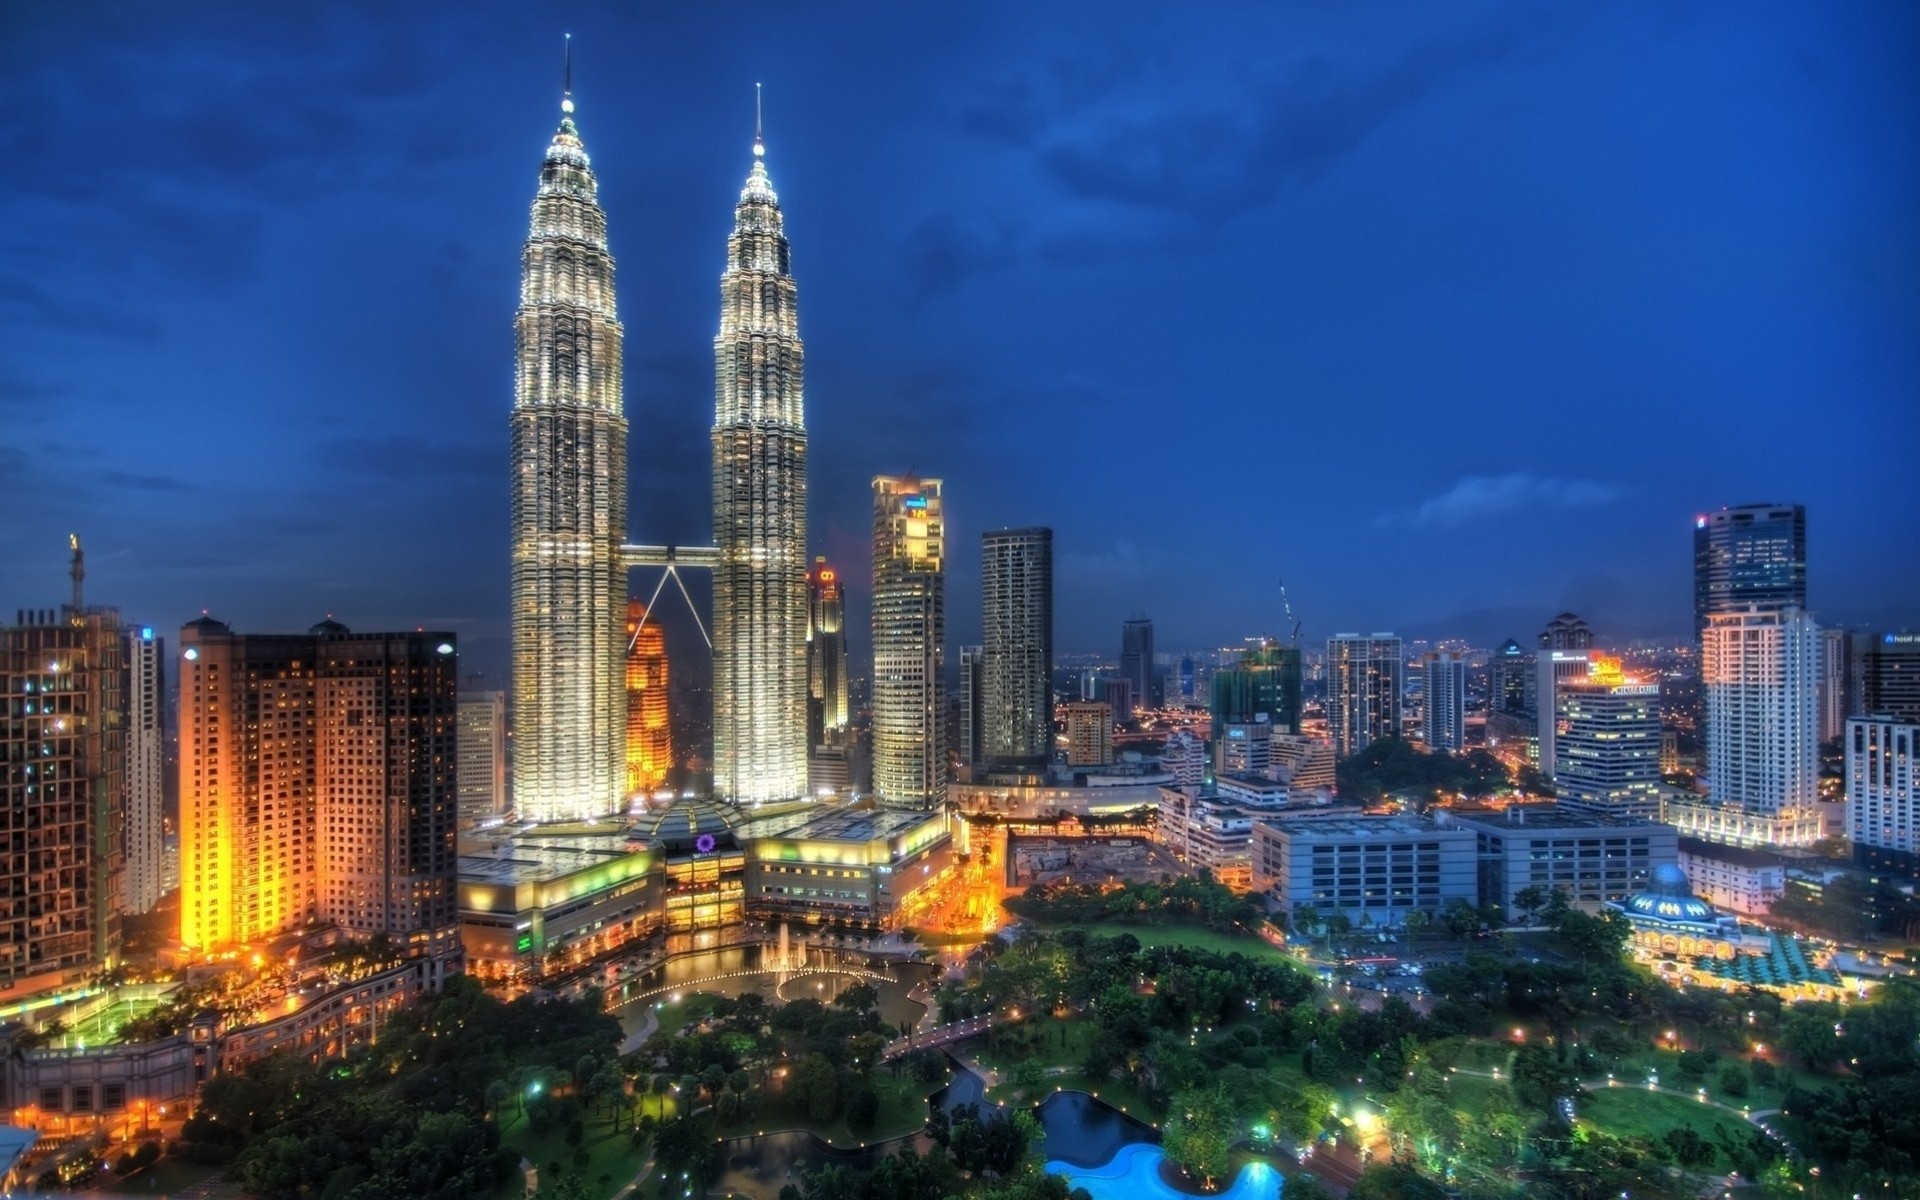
(649,732)
(317,786)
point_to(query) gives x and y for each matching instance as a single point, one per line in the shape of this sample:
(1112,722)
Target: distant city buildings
(481,751)
(649,752)
(909,634)
(1565,645)
(1886,676)
(1016,608)
(1136,662)
(1443,713)
(1607,746)
(1365,678)
(317,786)
(1836,689)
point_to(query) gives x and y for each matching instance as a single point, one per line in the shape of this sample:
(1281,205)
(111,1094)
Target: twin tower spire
(569,504)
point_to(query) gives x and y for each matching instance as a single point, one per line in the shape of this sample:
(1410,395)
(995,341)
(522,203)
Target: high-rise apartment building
(1836,682)
(1887,676)
(1443,712)
(1136,662)
(63,742)
(909,636)
(1749,555)
(1016,607)
(649,723)
(1760,670)
(760,676)
(828,710)
(480,776)
(569,502)
(1089,734)
(1607,748)
(1365,678)
(146,705)
(318,786)
(970,727)
(1883,820)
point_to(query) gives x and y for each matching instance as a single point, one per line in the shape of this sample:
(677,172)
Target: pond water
(1082,1130)
(1133,1173)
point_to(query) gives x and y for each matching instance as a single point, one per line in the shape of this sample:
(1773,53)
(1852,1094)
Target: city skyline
(909,301)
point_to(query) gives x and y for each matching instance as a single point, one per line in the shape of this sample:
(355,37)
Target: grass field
(610,1150)
(1251,945)
(1631,1112)
(903,1109)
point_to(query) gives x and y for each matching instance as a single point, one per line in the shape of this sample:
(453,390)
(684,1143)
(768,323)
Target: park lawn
(165,1177)
(611,1148)
(1637,1112)
(903,1110)
(1196,937)
(1758,1098)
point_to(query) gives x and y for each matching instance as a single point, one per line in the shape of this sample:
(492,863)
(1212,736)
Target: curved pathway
(1752,1117)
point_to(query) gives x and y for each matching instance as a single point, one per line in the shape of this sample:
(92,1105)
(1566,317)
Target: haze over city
(1451,317)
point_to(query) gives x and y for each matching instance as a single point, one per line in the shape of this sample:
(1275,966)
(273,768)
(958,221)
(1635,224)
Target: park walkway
(1754,1118)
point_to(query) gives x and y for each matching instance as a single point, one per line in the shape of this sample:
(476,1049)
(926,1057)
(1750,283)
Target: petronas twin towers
(569,510)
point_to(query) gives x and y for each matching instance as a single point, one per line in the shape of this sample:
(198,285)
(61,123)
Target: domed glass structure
(1669,898)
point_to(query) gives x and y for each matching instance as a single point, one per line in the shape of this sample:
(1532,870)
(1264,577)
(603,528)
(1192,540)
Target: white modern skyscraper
(481,747)
(909,633)
(1365,676)
(1443,715)
(1607,750)
(145,872)
(1760,670)
(1016,605)
(569,502)
(759,511)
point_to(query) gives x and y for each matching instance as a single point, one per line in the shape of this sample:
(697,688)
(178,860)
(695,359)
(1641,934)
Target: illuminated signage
(916,503)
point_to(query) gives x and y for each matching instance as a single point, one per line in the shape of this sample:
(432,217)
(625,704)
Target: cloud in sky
(1477,496)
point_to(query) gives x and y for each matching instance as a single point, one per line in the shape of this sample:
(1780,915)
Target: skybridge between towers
(670,559)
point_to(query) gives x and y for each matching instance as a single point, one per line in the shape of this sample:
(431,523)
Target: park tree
(1200,1129)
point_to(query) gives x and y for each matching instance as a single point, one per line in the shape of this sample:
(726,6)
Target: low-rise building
(1376,868)
(1734,878)
(1214,830)
(1593,858)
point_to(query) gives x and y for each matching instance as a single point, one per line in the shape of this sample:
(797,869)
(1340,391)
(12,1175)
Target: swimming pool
(1133,1173)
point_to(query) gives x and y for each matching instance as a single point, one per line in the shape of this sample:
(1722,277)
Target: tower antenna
(566,98)
(759,140)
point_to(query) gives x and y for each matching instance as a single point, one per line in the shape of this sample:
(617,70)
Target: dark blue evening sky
(1451,314)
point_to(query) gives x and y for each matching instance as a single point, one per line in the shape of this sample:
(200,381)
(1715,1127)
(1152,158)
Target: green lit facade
(1267,680)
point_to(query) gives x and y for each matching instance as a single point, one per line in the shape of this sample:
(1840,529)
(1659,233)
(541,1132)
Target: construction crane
(1288,605)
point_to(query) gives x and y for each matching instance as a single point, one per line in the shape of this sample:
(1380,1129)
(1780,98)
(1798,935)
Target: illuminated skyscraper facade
(481,772)
(1607,746)
(1760,669)
(1749,554)
(1015,709)
(909,634)
(760,679)
(63,743)
(569,503)
(146,700)
(649,727)
(1443,701)
(827,705)
(1365,677)
(318,783)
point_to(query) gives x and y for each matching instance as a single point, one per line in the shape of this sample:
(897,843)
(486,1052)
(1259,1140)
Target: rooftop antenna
(759,141)
(566,99)
(79,570)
